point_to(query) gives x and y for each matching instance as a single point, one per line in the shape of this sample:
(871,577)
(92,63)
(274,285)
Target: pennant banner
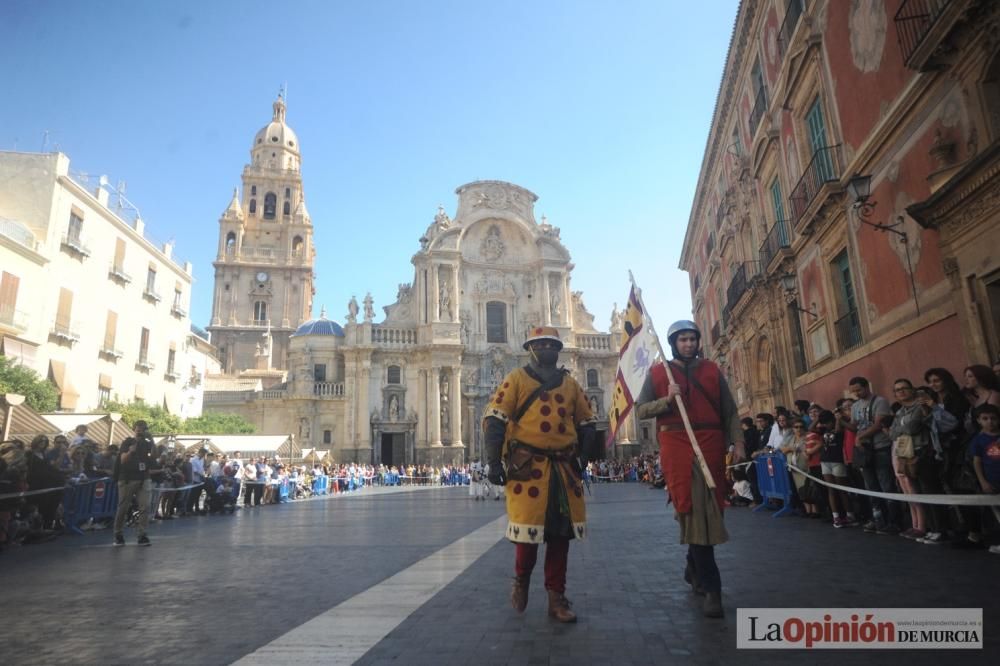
(634,360)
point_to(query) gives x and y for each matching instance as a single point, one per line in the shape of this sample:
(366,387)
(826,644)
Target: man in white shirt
(197,476)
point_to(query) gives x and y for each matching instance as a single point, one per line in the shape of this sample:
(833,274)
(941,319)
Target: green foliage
(162,422)
(158,420)
(213,423)
(39,394)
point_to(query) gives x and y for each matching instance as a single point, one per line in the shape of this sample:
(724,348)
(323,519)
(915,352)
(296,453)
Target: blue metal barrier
(774,483)
(94,498)
(321,485)
(283,490)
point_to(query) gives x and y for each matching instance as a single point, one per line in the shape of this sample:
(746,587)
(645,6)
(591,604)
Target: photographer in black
(132,469)
(834,469)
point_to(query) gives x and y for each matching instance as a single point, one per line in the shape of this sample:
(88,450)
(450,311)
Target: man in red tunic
(715,421)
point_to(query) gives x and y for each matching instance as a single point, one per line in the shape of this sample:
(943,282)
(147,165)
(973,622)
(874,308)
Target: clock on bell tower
(264,266)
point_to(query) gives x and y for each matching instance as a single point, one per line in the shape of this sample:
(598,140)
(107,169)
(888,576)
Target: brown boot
(559,607)
(519,593)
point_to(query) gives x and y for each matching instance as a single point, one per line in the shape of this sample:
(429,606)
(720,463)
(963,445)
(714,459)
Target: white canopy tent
(249,446)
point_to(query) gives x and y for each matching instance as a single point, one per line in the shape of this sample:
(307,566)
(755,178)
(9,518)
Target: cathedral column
(434,406)
(455,295)
(456,406)
(363,433)
(217,304)
(435,305)
(547,308)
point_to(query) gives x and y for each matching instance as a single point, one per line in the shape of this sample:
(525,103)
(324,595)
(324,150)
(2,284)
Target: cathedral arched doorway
(765,378)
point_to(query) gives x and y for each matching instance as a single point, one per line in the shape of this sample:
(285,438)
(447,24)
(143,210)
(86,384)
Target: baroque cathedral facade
(411,387)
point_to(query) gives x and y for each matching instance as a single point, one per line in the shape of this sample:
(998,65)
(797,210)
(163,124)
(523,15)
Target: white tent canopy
(247,445)
(69,422)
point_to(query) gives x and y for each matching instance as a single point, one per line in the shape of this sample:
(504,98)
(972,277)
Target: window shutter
(111,330)
(64,312)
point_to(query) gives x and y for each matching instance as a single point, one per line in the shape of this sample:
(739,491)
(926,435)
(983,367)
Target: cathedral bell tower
(264,266)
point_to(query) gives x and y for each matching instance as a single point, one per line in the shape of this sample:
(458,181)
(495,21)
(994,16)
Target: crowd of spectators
(933,436)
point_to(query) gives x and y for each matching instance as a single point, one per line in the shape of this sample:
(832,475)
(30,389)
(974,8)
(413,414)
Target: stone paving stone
(213,589)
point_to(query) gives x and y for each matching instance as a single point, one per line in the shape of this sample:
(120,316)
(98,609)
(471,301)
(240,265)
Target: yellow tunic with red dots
(550,424)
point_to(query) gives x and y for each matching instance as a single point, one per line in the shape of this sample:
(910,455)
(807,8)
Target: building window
(592,379)
(110,332)
(270,205)
(327,436)
(253,206)
(144,346)
(103,395)
(297,246)
(9,284)
(288,193)
(119,265)
(259,312)
(777,204)
(230,243)
(151,280)
(849,324)
(817,141)
(75,228)
(253,190)
(496,322)
(393,374)
(171,360)
(286,209)
(319,372)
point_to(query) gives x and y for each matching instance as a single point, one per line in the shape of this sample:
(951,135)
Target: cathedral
(411,387)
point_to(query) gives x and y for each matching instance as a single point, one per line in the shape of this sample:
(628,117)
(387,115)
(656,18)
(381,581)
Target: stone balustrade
(388,336)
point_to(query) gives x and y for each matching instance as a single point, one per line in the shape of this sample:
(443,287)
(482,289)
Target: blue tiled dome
(321,326)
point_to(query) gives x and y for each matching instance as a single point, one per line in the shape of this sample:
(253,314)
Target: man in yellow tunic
(540,422)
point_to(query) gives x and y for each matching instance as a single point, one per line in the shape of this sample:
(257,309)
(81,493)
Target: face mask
(546,357)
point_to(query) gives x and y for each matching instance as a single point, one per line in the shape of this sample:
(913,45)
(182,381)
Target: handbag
(519,458)
(903,447)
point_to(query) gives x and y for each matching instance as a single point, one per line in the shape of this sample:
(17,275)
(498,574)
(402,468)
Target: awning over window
(104,381)
(68,395)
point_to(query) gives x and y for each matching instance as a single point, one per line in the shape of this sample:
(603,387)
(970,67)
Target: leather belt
(679,427)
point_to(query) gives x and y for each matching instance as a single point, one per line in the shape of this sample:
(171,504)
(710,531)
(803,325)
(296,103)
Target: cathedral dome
(321,326)
(277,133)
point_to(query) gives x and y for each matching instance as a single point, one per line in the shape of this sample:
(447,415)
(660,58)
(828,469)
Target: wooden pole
(677,399)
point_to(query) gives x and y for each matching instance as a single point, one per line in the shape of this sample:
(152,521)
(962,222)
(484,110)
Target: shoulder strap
(701,389)
(553,383)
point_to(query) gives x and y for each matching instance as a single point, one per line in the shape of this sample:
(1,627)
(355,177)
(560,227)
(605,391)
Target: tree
(39,394)
(212,423)
(158,420)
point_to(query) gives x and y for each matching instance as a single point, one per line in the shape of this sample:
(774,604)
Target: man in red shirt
(713,416)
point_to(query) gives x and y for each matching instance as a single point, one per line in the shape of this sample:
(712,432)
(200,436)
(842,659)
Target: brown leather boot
(559,607)
(519,593)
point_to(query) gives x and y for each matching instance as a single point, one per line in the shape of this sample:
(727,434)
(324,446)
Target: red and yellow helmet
(542,333)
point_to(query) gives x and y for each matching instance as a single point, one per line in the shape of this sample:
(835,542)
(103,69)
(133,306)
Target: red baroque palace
(847,219)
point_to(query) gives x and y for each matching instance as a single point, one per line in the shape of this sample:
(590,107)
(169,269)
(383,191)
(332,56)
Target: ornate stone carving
(492,247)
(951,271)
(547,229)
(493,282)
(369,308)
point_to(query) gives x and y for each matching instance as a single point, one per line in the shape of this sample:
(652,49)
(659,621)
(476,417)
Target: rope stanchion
(918,498)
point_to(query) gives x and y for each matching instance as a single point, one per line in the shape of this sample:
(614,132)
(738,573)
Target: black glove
(495,432)
(589,451)
(497,476)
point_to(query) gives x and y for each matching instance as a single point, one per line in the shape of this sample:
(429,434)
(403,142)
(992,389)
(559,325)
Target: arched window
(592,379)
(393,374)
(259,311)
(253,206)
(253,190)
(286,210)
(496,322)
(270,205)
(231,242)
(297,246)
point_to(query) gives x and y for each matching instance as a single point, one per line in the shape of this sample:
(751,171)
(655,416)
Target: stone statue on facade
(369,308)
(393,408)
(445,412)
(444,302)
(466,322)
(593,405)
(547,229)
(617,319)
(352,311)
(555,302)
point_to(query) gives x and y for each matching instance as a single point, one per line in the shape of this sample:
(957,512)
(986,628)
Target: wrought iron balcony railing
(76,244)
(118,273)
(741,281)
(777,238)
(757,112)
(65,332)
(12,318)
(913,21)
(824,167)
(792,14)
(849,331)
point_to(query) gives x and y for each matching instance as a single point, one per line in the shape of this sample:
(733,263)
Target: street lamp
(859,188)
(789,282)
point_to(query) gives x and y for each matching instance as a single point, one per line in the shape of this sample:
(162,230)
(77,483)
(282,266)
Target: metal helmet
(679,327)
(543,333)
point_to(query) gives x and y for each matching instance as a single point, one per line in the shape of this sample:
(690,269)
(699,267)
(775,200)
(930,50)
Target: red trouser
(556,554)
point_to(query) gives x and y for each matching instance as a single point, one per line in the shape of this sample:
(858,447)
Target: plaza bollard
(774,483)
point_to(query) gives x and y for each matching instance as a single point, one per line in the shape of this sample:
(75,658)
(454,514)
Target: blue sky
(600,108)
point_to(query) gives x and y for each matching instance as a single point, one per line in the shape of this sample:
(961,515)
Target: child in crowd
(984,449)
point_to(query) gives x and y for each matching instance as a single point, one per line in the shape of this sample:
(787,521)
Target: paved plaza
(421,576)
